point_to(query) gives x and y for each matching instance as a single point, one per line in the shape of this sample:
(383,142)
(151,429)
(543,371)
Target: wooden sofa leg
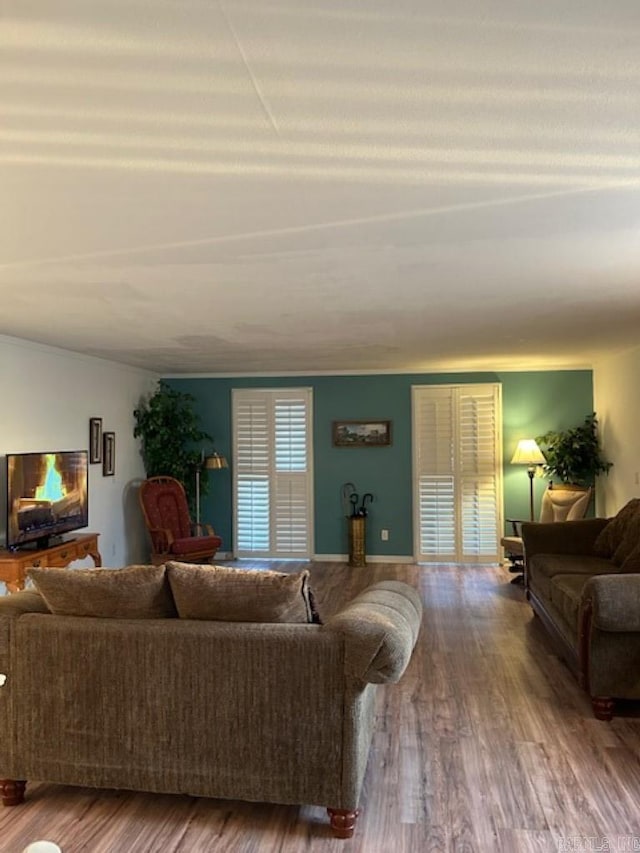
(12,792)
(603,707)
(343,822)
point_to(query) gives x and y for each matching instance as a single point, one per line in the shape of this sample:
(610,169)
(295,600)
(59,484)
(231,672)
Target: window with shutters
(272,481)
(457,472)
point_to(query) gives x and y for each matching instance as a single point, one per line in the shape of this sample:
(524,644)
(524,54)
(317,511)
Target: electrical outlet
(384,535)
(637,478)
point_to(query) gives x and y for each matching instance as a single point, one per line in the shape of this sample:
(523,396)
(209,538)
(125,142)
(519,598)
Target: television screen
(46,495)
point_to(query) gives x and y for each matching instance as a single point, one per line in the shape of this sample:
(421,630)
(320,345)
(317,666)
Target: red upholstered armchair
(173,535)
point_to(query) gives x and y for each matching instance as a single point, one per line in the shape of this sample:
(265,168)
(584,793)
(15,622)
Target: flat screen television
(47,494)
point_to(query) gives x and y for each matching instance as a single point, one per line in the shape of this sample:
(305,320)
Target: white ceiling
(297,185)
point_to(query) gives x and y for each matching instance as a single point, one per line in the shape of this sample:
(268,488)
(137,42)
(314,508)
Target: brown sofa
(269,712)
(582,579)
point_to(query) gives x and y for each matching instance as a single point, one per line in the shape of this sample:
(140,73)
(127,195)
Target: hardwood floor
(487,744)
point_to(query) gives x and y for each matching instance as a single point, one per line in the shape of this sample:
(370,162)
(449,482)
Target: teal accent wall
(532,403)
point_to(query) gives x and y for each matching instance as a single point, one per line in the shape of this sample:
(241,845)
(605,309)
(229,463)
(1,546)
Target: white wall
(616,383)
(48,396)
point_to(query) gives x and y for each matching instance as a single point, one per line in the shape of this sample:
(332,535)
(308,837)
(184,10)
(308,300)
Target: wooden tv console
(14,564)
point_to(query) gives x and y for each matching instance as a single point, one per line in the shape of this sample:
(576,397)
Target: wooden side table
(14,564)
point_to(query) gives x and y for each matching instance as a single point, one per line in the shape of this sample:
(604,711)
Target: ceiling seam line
(254,82)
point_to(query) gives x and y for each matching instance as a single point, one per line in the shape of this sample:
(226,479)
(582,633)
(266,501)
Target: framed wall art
(108,454)
(95,440)
(361,433)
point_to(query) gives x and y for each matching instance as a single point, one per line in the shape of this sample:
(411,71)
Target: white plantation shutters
(291,482)
(433,431)
(457,472)
(272,472)
(480,472)
(251,472)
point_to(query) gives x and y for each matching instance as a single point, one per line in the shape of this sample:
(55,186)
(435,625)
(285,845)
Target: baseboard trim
(371,558)
(330,558)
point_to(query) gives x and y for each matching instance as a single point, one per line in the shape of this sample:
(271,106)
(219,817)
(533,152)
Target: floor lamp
(213,462)
(528,453)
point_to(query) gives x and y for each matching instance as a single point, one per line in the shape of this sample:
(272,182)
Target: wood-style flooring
(487,744)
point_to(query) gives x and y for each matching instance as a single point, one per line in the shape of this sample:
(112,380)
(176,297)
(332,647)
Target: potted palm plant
(574,456)
(171,437)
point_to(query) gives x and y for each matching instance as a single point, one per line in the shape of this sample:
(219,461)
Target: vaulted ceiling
(296,185)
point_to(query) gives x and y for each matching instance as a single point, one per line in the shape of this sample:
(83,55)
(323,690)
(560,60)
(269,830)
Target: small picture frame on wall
(95,440)
(108,454)
(361,433)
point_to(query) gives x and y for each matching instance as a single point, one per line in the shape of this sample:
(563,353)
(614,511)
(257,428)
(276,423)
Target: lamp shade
(215,460)
(528,453)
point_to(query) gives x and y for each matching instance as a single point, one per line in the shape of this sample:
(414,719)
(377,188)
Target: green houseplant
(574,455)
(170,435)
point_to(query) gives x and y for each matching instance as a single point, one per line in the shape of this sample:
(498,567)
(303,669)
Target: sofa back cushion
(619,540)
(135,592)
(240,595)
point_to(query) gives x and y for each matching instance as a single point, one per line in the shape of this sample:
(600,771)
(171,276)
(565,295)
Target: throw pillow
(241,595)
(612,533)
(135,592)
(631,563)
(629,541)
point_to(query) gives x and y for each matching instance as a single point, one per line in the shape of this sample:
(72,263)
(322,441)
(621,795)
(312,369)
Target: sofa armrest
(615,602)
(11,607)
(561,537)
(380,627)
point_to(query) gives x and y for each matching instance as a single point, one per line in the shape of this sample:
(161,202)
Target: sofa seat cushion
(565,596)
(135,592)
(539,584)
(241,595)
(549,565)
